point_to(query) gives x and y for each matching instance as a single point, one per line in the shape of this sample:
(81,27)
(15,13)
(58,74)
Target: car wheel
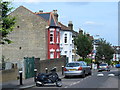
(66,77)
(59,83)
(83,75)
(90,73)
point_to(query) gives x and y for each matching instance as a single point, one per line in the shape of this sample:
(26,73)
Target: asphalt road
(96,80)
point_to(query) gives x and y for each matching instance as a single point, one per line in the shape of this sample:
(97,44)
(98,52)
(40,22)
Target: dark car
(77,68)
(103,67)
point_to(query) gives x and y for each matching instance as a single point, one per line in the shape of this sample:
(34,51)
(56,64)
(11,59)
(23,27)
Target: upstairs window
(65,38)
(51,37)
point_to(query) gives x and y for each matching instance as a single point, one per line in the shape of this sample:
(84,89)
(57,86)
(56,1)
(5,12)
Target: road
(96,80)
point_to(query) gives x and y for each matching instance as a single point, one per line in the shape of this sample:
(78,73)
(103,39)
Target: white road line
(100,75)
(111,75)
(66,87)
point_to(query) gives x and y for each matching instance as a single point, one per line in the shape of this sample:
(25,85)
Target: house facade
(53,33)
(66,41)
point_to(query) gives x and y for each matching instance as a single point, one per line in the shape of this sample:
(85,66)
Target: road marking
(77,82)
(111,75)
(66,87)
(100,75)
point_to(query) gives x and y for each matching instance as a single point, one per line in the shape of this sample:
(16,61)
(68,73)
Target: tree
(104,51)
(6,22)
(84,45)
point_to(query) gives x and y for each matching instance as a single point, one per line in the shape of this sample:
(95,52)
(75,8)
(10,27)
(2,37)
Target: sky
(99,19)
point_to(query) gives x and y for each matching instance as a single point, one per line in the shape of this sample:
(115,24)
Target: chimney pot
(40,10)
(55,14)
(70,25)
(80,31)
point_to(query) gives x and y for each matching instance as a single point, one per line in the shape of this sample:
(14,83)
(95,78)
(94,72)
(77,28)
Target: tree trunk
(83,58)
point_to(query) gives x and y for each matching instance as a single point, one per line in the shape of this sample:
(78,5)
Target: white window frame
(51,42)
(57,36)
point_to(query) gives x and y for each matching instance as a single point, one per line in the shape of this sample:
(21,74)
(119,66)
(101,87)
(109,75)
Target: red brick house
(53,31)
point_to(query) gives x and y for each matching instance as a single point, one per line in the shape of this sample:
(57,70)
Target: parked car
(117,65)
(77,68)
(103,67)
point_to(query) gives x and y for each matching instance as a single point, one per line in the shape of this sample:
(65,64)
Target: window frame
(51,37)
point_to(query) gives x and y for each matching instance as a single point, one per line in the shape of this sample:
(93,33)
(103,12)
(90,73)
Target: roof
(49,17)
(91,37)
(63,27)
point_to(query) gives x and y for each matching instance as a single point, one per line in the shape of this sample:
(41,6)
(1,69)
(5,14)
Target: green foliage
(6,22)
(104,49)
(84,45)
(87,60)
(115,62)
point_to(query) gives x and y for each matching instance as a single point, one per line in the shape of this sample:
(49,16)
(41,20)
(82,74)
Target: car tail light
(107,66)
(65,69)
(80,68)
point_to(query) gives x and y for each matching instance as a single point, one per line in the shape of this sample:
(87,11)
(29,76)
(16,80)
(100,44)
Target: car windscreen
(103,65)
(72,65)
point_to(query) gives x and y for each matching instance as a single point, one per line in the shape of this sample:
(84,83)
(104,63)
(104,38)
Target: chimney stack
(70,25)
(55,15)
(88,35)
(80,31)
(41,11)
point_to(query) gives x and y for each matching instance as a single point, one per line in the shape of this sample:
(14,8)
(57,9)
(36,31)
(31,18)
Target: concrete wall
(8,75)
(29,36)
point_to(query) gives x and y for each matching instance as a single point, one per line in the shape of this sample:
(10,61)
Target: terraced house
(67,46)
(40,35)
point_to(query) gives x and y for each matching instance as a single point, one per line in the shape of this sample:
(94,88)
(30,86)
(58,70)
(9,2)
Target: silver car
(77,68)
(103,67)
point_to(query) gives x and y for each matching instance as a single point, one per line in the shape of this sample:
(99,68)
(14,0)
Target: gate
(29,67)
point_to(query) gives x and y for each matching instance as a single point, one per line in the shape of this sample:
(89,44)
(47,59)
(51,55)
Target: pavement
(27,83)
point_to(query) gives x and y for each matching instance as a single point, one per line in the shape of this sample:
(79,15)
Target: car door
(86,67)
(83,66)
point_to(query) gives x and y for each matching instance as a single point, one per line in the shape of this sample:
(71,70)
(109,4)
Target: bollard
(46,69)
(20,73)
(55,69)
(35,72)
(62,70)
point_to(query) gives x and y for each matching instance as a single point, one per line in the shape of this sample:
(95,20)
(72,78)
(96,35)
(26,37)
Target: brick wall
(50,63)
(29,36)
